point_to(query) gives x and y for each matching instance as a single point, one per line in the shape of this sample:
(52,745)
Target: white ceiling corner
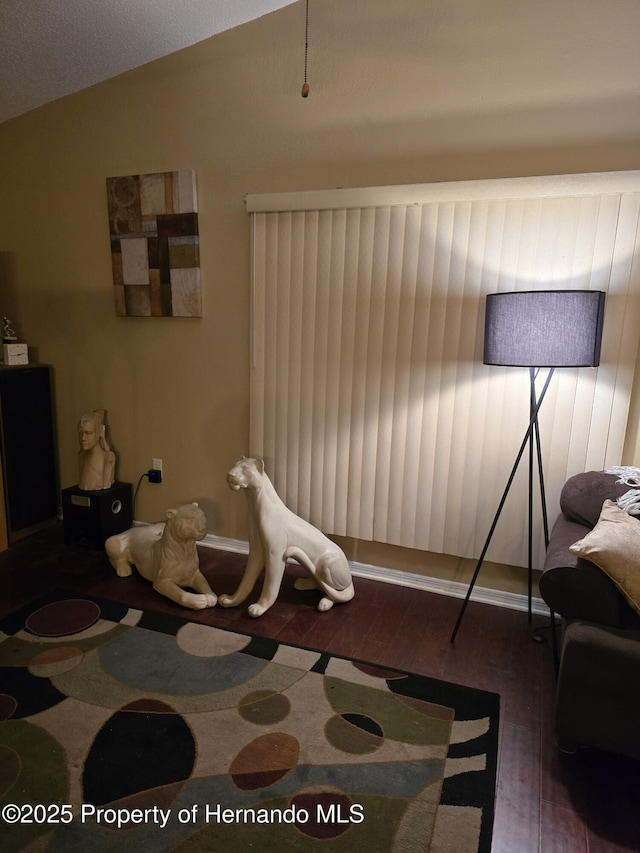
(52,48)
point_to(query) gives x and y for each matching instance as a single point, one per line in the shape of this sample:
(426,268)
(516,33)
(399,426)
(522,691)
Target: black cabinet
(29,466)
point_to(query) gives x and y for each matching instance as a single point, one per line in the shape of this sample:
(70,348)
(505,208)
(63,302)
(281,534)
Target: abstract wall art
(155,247)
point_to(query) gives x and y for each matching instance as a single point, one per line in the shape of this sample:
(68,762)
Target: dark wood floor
(546,801)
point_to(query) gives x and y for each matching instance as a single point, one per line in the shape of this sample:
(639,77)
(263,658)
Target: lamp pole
(532,429)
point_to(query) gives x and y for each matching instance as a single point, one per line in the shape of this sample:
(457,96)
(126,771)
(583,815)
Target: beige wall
(402,92)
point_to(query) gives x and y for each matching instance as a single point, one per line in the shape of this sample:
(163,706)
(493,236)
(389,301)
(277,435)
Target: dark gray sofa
(598,689)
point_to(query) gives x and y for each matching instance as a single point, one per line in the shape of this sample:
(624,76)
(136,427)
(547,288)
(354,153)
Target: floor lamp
(542,329)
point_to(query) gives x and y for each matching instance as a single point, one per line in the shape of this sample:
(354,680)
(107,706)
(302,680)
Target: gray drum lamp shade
(544,328)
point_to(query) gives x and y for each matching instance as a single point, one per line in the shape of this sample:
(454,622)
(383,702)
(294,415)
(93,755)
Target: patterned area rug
(125,730)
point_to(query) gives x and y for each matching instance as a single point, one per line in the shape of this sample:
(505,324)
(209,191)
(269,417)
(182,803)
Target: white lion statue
(276,535)
(166,554)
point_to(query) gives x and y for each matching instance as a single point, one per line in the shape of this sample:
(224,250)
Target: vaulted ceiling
(51,48)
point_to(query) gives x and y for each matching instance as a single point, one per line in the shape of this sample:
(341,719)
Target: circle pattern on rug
(354,733)
(136,751)
(329,813)
(264,707)
(63,618)
(8,705)
(133,659)
(55,661)
(10,765)
(264,761)
(207,642)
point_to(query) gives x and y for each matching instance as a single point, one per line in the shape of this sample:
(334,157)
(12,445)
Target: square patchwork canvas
(155,247)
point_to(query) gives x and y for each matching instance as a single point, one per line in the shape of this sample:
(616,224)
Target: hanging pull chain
(305,85)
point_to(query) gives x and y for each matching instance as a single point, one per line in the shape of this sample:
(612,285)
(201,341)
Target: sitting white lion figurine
(276,535)
(166,554)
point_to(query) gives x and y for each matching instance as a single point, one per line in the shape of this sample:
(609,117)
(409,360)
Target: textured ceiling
(51,48)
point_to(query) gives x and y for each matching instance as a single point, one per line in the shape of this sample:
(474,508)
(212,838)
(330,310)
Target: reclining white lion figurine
(276,535)
(166,554)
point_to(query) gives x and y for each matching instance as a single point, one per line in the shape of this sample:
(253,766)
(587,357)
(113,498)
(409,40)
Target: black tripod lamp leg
(533,424)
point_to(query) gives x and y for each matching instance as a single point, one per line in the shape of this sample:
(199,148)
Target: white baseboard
(455,589)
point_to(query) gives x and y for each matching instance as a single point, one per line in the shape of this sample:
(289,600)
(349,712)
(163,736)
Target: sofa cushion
(582,496)
(614,546)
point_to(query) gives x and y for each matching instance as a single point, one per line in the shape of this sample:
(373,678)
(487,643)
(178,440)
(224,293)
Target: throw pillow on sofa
(614,546)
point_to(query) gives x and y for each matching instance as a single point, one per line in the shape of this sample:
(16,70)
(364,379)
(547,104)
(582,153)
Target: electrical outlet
(155,472)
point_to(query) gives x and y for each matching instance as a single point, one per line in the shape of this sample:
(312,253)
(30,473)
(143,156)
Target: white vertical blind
(369,400)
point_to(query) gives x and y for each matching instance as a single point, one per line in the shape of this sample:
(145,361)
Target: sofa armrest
(576,588)
(599,688)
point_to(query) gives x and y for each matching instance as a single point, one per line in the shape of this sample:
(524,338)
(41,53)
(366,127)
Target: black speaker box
(91,517)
